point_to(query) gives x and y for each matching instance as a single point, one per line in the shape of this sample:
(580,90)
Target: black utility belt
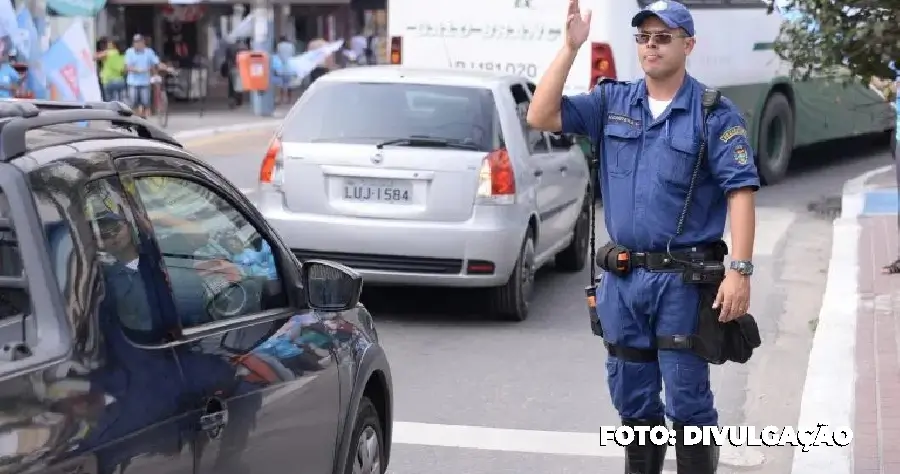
(619,260)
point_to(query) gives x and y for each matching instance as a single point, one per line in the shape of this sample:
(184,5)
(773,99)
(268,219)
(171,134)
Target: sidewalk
(853,377)
(188,124)
(877,405)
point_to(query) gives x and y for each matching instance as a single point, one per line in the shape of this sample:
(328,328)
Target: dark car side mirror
(330,286)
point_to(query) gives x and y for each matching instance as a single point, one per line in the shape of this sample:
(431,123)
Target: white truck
(734,52)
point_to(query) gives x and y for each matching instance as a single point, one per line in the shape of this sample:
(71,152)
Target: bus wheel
(775,138)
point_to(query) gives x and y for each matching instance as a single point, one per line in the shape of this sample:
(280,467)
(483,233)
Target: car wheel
(511,301)
(366,454)
(775,139)
(572,258)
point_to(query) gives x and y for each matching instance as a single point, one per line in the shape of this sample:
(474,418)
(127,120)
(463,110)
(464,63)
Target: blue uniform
(646,167)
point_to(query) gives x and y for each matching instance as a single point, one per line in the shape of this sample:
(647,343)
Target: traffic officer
(651,131)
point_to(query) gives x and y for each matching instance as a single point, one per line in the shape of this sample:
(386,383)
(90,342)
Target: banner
(244,29)
(36,80)
(9,26)
(70,68)
(303,64)
(76,7)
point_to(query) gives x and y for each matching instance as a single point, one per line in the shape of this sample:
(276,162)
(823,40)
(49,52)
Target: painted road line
(218,138)
(829,391)
(539,442)
(232,129)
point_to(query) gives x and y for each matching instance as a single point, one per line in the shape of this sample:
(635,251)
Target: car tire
(366,454)
(572,258)
(776,130)
(510,301)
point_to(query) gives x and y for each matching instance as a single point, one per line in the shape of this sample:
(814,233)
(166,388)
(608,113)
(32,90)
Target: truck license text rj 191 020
(518,69)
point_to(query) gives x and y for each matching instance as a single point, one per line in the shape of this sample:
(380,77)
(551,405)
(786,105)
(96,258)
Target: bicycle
(159,83)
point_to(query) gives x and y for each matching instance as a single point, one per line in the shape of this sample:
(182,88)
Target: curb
(829,390)
(226,129)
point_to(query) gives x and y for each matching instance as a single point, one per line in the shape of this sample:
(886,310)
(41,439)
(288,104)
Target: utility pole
(263,102)
(38,9)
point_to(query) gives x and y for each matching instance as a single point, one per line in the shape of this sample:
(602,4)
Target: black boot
(647,459)
(694,459)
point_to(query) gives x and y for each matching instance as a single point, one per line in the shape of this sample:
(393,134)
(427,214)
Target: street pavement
(479,396)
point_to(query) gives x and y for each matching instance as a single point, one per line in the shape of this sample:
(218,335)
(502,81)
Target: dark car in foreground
(151,321)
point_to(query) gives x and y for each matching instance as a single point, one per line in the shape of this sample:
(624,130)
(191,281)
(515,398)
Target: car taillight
(602,62)
(496,178)
(396,50)
(270,171)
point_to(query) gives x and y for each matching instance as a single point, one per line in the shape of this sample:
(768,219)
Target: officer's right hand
(578,25)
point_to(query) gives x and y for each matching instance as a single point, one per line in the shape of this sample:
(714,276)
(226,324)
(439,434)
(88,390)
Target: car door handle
(563,168)
(538,173)
(214,418)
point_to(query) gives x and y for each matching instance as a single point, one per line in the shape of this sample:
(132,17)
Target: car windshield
(347,112)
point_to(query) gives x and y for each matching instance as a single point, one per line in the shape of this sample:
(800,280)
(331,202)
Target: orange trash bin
(253,66)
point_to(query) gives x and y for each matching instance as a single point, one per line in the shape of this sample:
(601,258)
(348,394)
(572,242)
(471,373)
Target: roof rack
(26,114)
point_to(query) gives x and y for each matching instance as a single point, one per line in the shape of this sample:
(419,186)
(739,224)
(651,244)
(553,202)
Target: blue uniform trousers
(633,310)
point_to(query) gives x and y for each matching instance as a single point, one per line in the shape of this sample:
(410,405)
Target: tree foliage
(833,38)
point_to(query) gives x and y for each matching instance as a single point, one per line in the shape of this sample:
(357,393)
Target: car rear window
(346,112)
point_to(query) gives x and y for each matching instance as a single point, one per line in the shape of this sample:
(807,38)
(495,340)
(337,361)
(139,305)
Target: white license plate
(386,191)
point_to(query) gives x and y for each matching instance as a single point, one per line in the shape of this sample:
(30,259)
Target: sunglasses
(110,229)
(657,38)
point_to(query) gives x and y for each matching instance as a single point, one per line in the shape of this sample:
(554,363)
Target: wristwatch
(744,267)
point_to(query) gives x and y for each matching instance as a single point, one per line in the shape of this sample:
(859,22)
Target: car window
(347,112)
(218,263)
(535,138)
(129,290)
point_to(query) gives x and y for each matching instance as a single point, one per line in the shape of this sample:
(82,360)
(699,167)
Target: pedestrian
(651,131)
(9,77)
(140,60)
(112,72)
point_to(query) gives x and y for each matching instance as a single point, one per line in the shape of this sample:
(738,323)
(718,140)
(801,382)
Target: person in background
(230,70)
(279,79)
(359,44)
(112,72)
(285,49)
(139,62)
(179,51)
(100,47)
(9,77)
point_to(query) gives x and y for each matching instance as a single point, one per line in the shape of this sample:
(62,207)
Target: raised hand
(578,25)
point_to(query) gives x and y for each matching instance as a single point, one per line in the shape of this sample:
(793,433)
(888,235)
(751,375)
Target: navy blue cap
(673,14)
(108,217)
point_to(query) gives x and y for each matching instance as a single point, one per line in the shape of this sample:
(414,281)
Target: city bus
(734,53)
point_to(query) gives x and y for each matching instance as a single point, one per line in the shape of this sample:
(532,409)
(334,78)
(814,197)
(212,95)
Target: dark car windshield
(346,112)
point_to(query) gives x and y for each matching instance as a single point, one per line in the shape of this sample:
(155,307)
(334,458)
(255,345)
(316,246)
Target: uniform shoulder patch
(741,156)
(735,131)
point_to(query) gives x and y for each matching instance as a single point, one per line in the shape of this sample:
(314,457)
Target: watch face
(742,267)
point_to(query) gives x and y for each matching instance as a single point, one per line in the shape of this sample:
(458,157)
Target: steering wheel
(228,302)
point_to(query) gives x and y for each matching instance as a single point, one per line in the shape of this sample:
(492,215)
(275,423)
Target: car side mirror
(330,286)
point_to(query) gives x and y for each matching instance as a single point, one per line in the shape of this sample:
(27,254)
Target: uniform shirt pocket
(677,164)
(621,149)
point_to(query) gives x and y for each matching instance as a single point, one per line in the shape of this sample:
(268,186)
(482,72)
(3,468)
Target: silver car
(427,177)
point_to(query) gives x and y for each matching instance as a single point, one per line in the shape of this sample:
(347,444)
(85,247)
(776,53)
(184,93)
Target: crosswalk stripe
(538,442)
